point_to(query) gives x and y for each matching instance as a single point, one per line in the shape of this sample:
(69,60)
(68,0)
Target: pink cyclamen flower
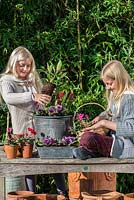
(80,116)
(9,130)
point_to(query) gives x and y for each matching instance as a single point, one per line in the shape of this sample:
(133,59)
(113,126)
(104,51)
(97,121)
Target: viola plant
(60,105)
(57,110)
(64,141)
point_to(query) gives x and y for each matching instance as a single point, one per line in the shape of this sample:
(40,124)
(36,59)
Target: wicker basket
(102,108)
(88,104)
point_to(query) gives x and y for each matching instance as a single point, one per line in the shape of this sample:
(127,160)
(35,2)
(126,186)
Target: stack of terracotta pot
(27,195)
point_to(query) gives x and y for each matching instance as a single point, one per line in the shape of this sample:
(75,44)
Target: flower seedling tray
(55,152)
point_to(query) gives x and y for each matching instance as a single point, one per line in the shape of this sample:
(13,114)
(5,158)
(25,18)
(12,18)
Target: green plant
(28,137)
(3,121)
(64,141)
(60,105)
(10,139)
(82,120)
(53,73)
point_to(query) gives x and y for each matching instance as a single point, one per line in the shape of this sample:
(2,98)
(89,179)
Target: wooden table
(21,166)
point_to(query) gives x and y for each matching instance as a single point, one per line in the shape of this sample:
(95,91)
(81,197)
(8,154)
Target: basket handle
(85,104)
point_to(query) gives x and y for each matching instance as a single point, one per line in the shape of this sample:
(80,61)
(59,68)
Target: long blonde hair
(21,53)
(115,70)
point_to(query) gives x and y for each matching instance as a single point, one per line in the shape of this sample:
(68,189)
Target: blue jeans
(59,181)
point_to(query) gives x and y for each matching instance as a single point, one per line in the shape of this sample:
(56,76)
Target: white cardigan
(17,94)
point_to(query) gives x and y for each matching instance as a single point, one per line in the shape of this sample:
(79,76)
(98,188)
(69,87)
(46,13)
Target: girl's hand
(42,98)
(97,119)
(101,131)
(96,128)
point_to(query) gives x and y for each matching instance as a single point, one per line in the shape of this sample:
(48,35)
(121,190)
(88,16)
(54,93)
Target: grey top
(123,146)
(17,94)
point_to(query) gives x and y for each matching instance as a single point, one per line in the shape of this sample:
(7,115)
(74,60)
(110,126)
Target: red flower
(26,135)
(71,95)
(60,95)
(32,131)
(58,102)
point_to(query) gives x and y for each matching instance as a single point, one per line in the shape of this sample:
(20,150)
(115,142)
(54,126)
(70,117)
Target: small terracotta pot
(129,196)
(11,151)
(20,195)
(27,150)
(48,197)
(102,195)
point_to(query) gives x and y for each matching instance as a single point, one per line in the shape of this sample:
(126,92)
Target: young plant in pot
(10,145)
(27,143)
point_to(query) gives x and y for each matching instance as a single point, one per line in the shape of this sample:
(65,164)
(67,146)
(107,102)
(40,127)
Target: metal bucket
(14,184)
(52,126)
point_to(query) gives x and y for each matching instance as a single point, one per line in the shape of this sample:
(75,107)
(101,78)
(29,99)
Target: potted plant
(50,147)
(10,145)
(55,124)
(27,142)
(55,119)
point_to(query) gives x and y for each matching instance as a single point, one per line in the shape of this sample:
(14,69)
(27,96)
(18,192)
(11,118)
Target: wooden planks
(21,166)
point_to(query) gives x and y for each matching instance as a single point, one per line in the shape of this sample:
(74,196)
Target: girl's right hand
(42,98)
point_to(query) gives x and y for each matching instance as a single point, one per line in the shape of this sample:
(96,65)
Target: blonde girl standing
(20,87)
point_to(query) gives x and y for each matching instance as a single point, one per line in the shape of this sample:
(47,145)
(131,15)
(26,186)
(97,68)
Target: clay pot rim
(20,193)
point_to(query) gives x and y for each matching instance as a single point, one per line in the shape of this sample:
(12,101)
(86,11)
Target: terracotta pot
(20,195)
(101,195)
(11,151)
(39,196)
(129,196)
(27,195)
(48,197)
(89,181)
(27,150)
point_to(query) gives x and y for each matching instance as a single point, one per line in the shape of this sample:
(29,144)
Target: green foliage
(125,183)
(45,184)
(54,73)
(3,121)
